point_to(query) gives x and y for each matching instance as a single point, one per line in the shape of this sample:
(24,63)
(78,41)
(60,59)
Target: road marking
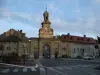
(36,66)
(79,66)
(87,65)
(6,71)
(91,73)
(94,65)
(25,69)
(15,70)
(42,71)
(50,68)
(76,66)
(33,69)
(59,68)
(67,67)
(12,65)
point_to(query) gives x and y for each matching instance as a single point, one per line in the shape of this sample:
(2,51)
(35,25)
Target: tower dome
(46,13)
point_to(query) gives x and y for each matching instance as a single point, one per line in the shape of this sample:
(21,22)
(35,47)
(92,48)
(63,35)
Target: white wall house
(80,46)
(81,49)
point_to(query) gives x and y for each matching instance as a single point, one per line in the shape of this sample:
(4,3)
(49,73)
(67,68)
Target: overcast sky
(77,17)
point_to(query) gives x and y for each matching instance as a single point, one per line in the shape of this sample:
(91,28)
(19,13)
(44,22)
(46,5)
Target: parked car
(89,57)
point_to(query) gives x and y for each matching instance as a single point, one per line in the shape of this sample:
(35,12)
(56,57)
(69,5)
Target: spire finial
(46,7)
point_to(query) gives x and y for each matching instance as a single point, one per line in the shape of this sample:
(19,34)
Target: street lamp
(29,48)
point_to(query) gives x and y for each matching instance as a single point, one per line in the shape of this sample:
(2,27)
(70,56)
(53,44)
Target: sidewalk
(95,60)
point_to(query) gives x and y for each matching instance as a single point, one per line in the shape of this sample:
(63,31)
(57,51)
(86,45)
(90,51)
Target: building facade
(14,41)
(47,45)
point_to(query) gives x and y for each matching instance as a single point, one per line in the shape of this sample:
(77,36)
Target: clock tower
(45,31)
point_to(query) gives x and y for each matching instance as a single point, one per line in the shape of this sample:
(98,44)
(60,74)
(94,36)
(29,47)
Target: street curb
(14,65)
(83,60)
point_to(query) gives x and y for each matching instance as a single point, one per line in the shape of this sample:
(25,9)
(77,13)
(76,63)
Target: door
(46,51)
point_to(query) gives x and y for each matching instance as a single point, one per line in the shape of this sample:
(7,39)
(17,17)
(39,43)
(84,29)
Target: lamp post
(30,52)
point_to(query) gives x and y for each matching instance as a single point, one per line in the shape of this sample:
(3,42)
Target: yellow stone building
(46,45)
(46,31)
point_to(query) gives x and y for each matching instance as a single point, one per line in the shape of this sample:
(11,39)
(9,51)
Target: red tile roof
(72,38)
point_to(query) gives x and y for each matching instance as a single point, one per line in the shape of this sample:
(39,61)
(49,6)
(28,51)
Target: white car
(89,57)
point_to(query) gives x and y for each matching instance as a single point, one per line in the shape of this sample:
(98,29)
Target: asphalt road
(53,67)
(70,67)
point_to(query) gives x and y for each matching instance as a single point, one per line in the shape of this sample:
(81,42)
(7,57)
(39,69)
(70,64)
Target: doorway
(46,51)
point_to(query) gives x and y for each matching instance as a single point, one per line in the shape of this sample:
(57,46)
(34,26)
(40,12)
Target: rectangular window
(74,50)
(77,48)
(1,48)
(8,48)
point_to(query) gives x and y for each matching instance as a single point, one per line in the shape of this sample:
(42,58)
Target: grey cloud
(25,18)
(84,26)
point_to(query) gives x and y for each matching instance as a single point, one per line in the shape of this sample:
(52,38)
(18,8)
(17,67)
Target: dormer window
(71,38)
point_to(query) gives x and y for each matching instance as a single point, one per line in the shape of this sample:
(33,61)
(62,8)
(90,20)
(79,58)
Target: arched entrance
(46,51)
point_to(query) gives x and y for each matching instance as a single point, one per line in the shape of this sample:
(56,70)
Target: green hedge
(11,58)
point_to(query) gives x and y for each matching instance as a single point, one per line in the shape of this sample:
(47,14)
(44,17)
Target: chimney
(20,31)
(68,34)
(84,35)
